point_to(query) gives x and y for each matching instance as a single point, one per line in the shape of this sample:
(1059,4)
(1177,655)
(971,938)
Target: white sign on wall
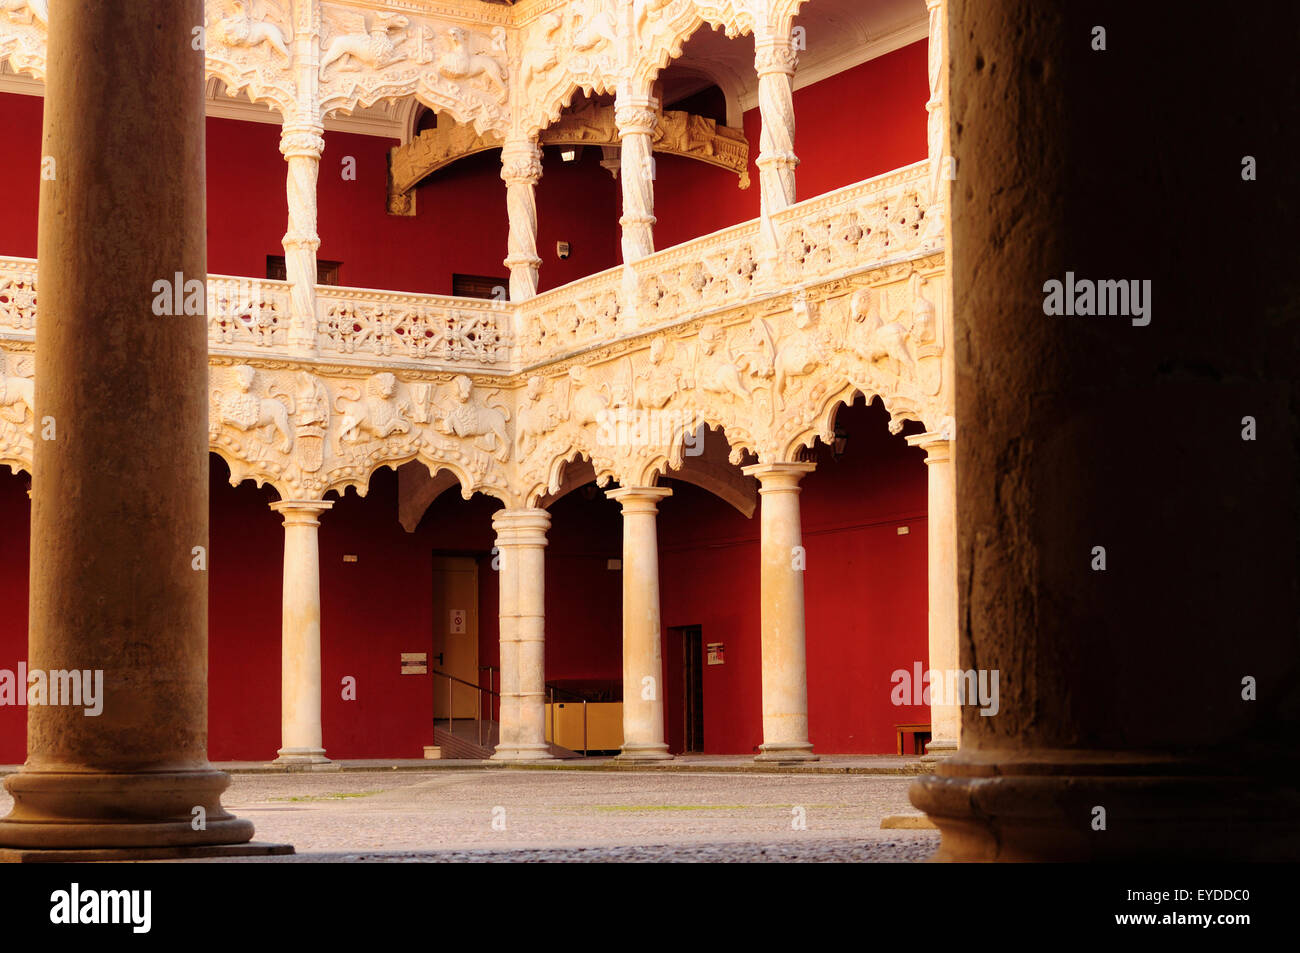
(457,622)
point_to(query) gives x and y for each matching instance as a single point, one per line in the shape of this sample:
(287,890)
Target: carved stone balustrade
(504,394)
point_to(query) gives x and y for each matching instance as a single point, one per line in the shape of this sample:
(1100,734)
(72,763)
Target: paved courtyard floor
(504,814)
(496,814)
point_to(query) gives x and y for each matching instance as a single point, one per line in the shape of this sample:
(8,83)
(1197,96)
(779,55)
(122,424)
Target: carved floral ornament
(498,69)
(769,374)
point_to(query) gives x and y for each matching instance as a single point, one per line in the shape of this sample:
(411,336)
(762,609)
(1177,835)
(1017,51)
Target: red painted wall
(460,225)
(20,173)
(852,126)
(864,595)
(865,587)
(15,536)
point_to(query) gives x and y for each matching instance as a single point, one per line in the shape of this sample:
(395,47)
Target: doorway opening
(692,637)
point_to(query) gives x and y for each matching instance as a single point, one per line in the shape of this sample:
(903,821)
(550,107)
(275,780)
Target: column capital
(778,476)
(302,139)
(521,162)
(636,115)
(775,55)
(301,512)
(639,499)
(525,526)
(937,444)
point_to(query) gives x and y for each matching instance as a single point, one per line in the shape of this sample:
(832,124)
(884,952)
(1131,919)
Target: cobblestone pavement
(579,816)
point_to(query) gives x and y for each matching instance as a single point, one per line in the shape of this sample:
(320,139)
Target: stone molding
(503,395)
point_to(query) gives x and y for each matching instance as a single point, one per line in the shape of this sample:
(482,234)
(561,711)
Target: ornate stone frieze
(504,394)
(248,44)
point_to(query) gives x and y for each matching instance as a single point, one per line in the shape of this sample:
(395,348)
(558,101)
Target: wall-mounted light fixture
(840,441)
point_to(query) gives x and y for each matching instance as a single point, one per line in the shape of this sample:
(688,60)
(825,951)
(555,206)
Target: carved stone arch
(780,14)
(576,473)
(669,40)
(15,463)
(359,476)
(712,469)
(555,474)
(241,471)
(467,111)
(237,81)
(732,88)
(551,103)
(901,410)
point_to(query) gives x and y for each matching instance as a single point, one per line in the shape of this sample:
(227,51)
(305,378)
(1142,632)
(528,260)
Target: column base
(643,753)
(11,855)
(787,753)
(1042,806)
(303,759)
(92,810)
(939,749)
(522,753)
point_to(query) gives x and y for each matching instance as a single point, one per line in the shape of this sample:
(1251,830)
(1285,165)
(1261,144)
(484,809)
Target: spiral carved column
(302,145)
(775,60)
(521,169)
(636,118)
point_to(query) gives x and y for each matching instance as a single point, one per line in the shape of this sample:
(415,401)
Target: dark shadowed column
(1126,532)
(120,492)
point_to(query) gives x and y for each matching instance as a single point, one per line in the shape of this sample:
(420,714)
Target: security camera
(562,249)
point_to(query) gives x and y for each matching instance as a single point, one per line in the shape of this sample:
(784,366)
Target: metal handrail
(478,706)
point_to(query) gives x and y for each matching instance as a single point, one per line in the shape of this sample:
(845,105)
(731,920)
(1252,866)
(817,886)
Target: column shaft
(300,627)
(941,591)
(785,667)
(521,545)
(637,117)
(643,690)
(1124,590)
(775,61)
(521,169)
(120,496)
(302,146)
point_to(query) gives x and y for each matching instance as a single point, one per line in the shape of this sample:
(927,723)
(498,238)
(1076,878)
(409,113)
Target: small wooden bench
(915,731)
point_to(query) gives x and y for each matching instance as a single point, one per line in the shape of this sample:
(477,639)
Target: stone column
(775,61)
(521,549)
(636,118)
(785,666)
(120,495)
(521,169)
(302,144)
(300,686)
(936,217)
(643,664)
(941,554)
(1132,588)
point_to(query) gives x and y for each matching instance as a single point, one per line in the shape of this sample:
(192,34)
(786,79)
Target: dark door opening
(692,689)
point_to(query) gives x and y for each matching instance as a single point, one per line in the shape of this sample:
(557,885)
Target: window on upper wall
(479,286)
(327,272)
